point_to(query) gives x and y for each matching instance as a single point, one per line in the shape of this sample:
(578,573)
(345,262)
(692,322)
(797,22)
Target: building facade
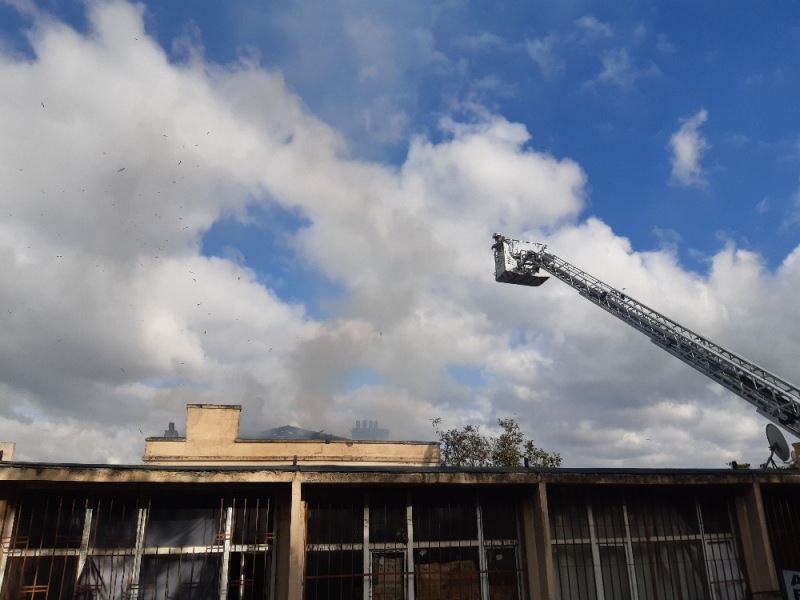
(311,527)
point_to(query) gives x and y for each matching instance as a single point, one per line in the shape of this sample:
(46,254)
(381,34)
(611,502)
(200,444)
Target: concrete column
(283,511)
(538,554)
(758,560)
(7,513)
(297,542)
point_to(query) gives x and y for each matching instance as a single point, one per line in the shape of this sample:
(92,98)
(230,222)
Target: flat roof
(19,471)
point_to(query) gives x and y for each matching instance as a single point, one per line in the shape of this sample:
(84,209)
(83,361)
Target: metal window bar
(782,512)
(56,546)
(667,548)
(389,545)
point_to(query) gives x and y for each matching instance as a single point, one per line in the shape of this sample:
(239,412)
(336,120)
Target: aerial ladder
(530,264)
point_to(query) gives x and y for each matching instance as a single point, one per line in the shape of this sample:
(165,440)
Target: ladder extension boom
(773,397)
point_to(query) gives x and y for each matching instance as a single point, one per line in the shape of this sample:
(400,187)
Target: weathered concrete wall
(7,451)
(212,422)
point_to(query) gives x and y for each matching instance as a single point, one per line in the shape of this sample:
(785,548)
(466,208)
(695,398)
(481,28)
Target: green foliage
(468,447)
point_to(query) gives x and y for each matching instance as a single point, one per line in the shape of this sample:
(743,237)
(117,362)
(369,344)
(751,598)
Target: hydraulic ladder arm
(773,397)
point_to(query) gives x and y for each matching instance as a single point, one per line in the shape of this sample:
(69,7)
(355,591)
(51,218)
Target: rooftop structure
(212,438)
(369,430)
(290,432)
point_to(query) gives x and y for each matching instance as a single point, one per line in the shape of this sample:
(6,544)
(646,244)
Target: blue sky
(302,224)
(738,61)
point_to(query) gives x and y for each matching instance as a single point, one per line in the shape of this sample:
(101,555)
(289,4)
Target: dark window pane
(670,570)
(574,572)
(248,576)
(387,520)
(614,567)
(445,516)
(608,517)
(251,521)
(450,573)
(178,527)
(105,577)
(50,522)
(168,577)
(716,518)
(665,512)
(569,519)
(336,522)
(503,574)
(334,575)
(499,516)
(114,524)
(50,577)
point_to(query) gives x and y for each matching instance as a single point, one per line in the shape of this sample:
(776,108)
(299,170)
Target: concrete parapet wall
(212,439)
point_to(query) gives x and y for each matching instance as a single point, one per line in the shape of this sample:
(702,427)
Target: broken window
(455,543)
(452,573)
(114,548)
(388,575)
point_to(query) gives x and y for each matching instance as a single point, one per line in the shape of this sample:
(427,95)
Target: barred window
(155,547)
(383,544)
(671,543)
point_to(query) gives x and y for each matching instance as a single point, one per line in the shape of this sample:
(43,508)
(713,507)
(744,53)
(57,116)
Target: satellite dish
(777,444)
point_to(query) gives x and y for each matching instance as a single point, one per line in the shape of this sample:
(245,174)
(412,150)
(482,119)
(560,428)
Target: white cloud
(544,53)
(593,27)
(372,72)
(663,45)
(688,146)
(619,70)
(112,319)
(481,42)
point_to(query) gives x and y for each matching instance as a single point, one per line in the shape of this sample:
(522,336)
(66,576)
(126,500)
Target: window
(637,544)
(380,545)
(156,548)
